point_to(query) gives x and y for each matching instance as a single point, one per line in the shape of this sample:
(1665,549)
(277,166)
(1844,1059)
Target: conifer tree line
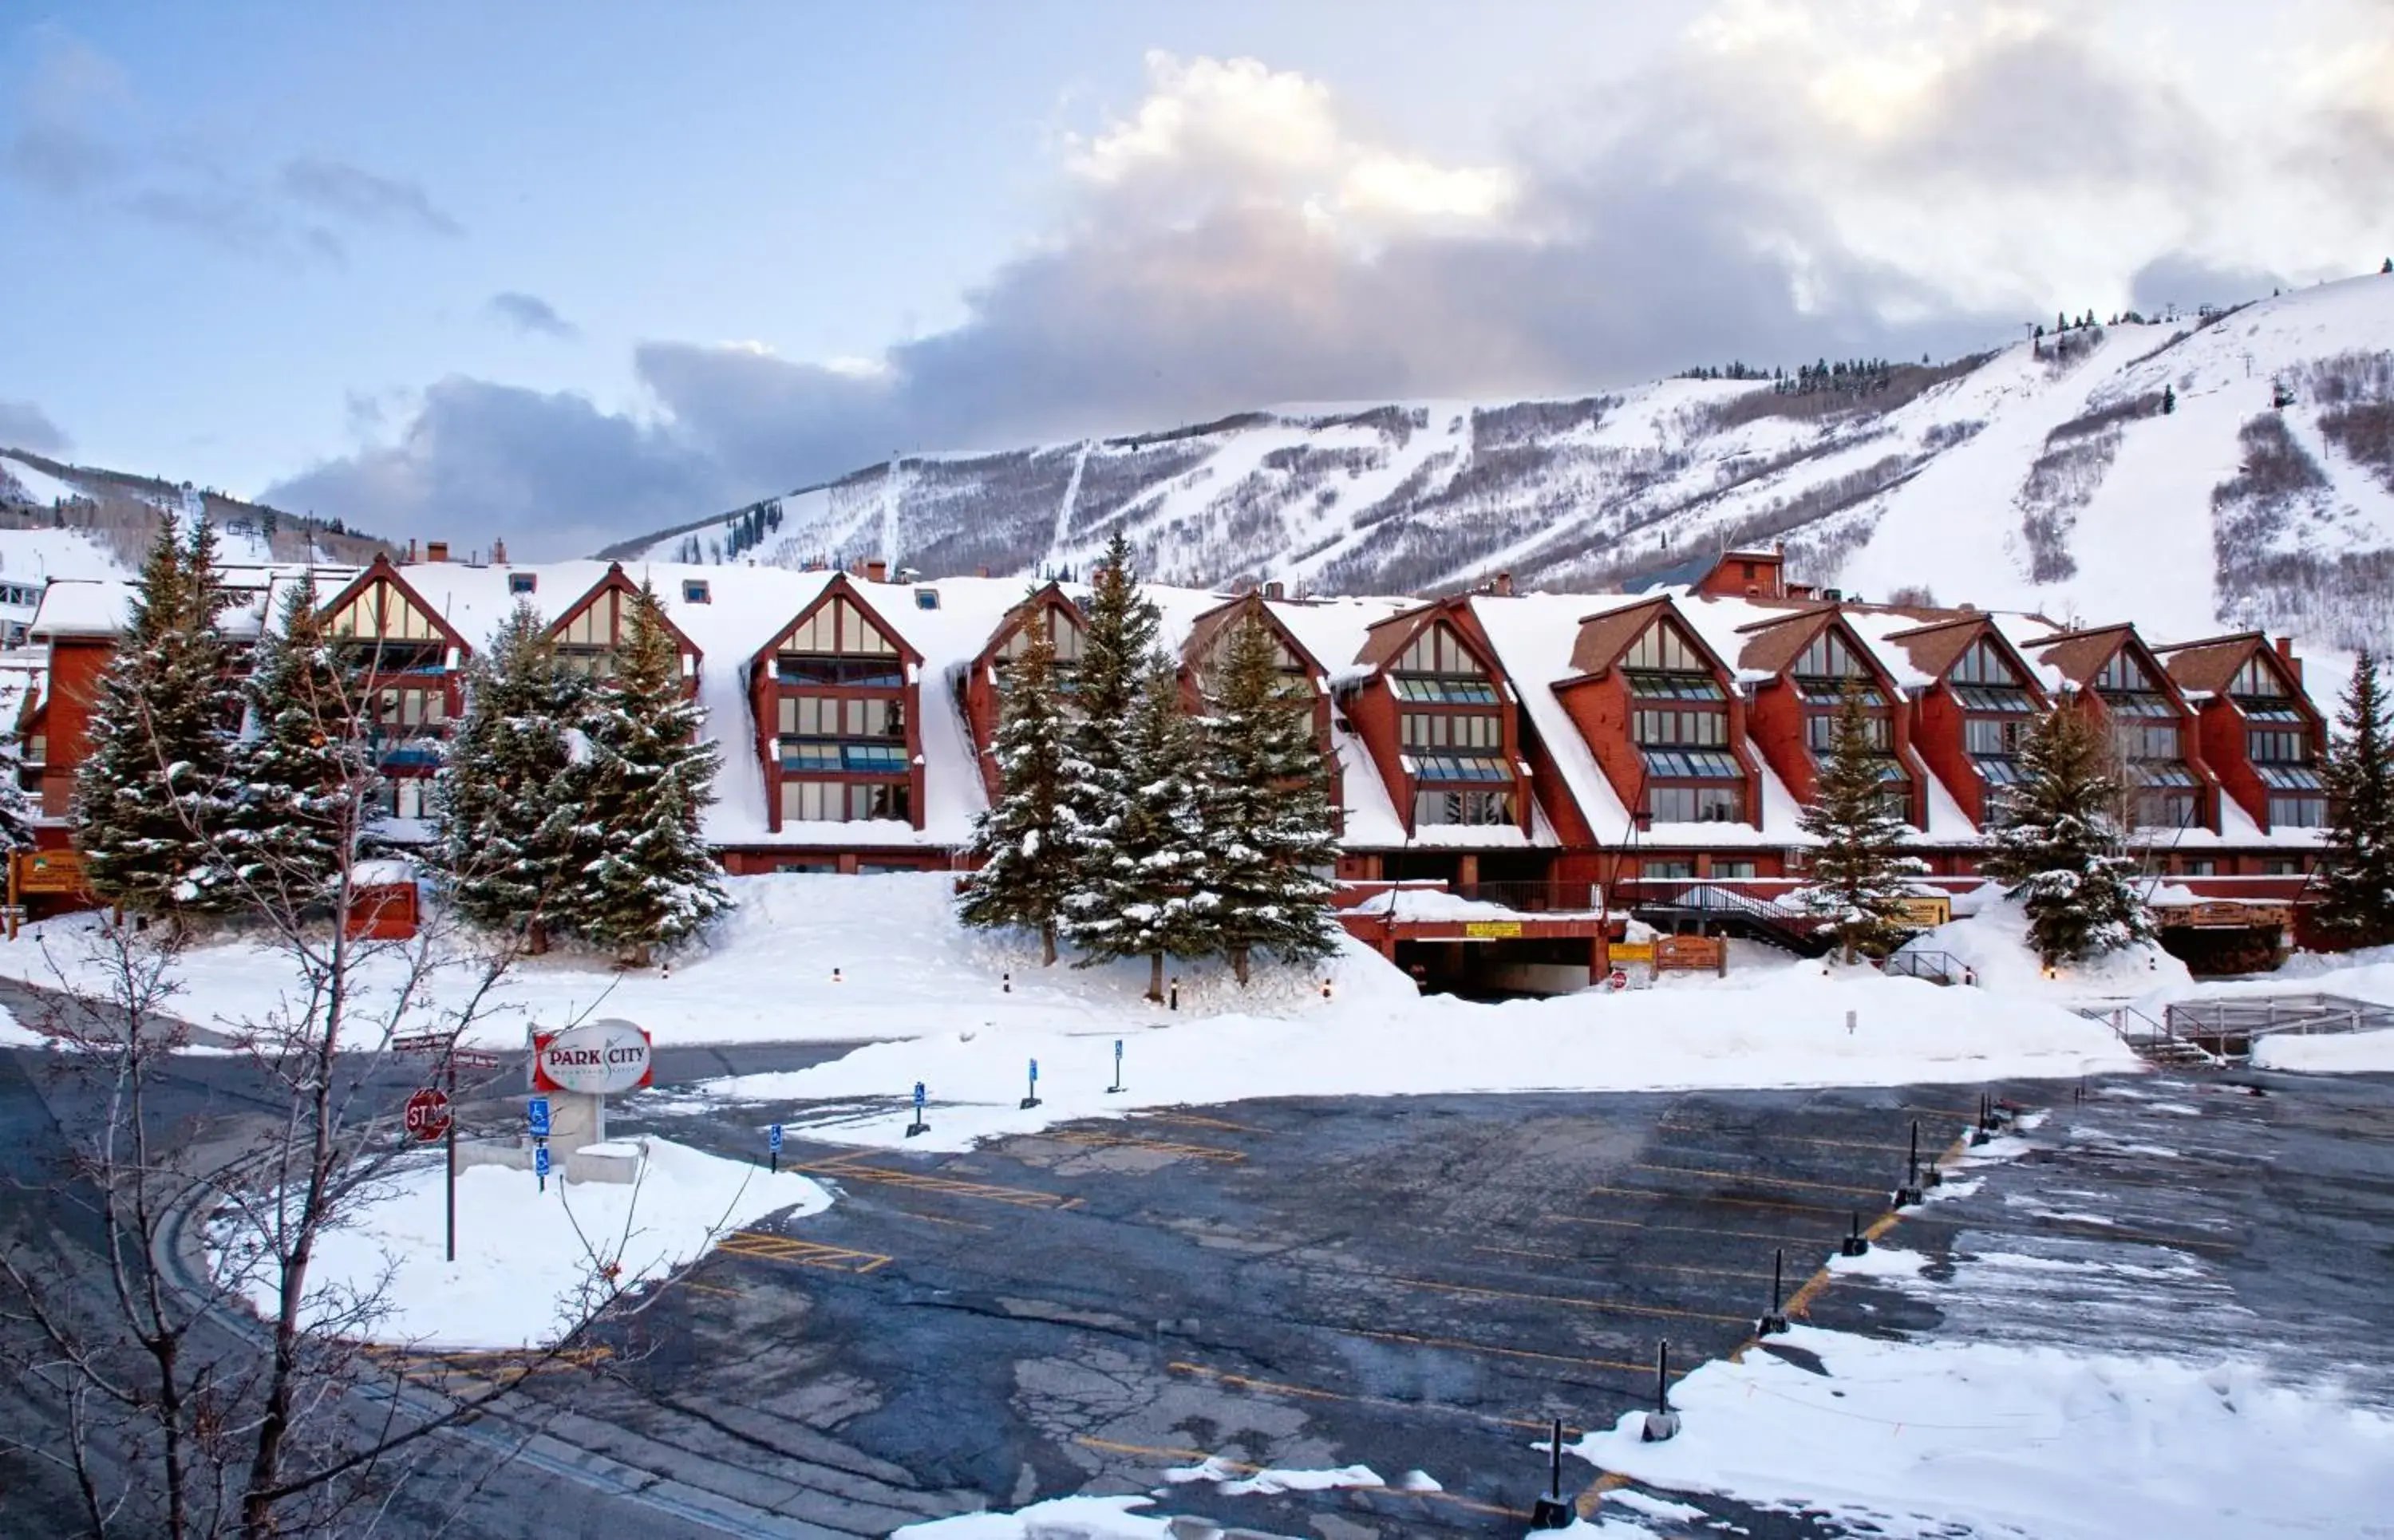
(1128,826)
(564,806)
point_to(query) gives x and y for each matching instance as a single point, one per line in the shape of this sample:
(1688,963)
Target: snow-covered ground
(524,1256)
(1991,942)
(2327,1053)
(1913,1439)
(816,958)
(1787,1027)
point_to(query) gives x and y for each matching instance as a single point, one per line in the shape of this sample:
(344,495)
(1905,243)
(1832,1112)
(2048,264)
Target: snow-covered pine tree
(151,792)
(303,766)
(1141,890)
(1118,632)
(1860,875)
(642,875)
(509,794)
(1027,867)
(2355,882)
(2058,844)
(16,812)
(1268,824)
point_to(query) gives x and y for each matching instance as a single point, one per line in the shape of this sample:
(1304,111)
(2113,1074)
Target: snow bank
(1063,1519)
(2326,1053)
(764,974)
(522,1255)
(1993,942)
(1787,1028)
(1911,1438)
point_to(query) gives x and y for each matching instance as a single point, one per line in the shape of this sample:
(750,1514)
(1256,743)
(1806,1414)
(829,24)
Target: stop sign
(1619,980)
(427,1115)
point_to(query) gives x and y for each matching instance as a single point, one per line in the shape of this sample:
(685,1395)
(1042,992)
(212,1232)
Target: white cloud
(1213,134)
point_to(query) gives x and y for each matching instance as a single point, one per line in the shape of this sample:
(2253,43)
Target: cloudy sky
(568,272)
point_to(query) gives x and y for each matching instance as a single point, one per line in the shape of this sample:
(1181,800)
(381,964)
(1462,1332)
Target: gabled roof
(841,587)
(2210,665)
(2080,655)
(381,571)
(1203,629)
(1387,638)
(615,579)
(1934,647)
(1050,594)
(1774,645)
(1604,636)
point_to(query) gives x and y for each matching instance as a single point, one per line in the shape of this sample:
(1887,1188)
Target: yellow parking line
(1758,1178)
(1608,1307)
(809,1254)
(1310,1392)
(1126,1141)
(1457,1344)
(1788,1205)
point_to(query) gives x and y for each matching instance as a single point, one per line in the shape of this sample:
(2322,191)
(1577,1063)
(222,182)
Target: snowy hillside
(2044,475)
(81,521)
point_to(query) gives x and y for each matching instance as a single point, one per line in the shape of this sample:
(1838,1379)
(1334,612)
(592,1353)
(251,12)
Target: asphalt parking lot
(1414,1285)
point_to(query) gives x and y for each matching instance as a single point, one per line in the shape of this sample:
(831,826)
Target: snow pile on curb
(1993,942)
(1908,1437)
(523,1256)
(765,974)
(1786,1028)
(2326,1053)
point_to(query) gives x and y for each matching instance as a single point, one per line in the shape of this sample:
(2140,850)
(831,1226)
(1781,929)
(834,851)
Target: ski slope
(2044,475)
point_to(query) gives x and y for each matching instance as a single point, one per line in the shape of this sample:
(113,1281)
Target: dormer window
(1437,668)
(694,590)
(523,583)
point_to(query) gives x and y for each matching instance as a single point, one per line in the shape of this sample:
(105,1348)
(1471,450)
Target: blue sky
(564,272)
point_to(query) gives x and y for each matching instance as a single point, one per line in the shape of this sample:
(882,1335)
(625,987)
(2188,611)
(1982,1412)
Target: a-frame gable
(1048,598)
(850,601)
(1211,631)
(615,582)
(381,574)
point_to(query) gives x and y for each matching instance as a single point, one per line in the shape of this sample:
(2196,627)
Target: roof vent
(1833,596)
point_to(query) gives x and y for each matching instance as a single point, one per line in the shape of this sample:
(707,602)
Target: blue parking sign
(918,1094)
(540,1160)
(536,1111)
(773,1139)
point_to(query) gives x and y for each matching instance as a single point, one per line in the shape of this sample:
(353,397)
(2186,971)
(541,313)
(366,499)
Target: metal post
(1554,1475)
(452,1253)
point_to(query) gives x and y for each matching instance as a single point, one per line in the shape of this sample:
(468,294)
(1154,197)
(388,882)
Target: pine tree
(1140,892)
(150,793)
(1118,633)
(2355,882)
(2058,845)
(16,812)
(304,768)
(1860,876)
(508,792)
(1023,841)
(642,875)
(1267,823)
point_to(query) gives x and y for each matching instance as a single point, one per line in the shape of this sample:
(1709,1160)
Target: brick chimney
(2285,646)
(1503,586)
(1273,590)
(436,550)
(876,572)
(411,551)
(498,553)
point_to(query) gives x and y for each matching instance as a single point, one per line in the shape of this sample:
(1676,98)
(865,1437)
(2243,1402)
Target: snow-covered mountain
(2137,468)
(84,521)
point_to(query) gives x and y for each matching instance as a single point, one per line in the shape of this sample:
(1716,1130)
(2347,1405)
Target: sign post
(918,1125)
(773,1143)
(1033,1099)
(1117,1086)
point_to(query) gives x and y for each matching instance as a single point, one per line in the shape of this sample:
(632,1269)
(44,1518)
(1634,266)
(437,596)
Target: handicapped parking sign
(536,1111)
(918,1096)
(773,1139)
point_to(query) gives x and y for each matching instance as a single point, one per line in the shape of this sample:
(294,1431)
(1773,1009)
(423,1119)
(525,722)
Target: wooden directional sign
(474,1058)
(427,1115)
